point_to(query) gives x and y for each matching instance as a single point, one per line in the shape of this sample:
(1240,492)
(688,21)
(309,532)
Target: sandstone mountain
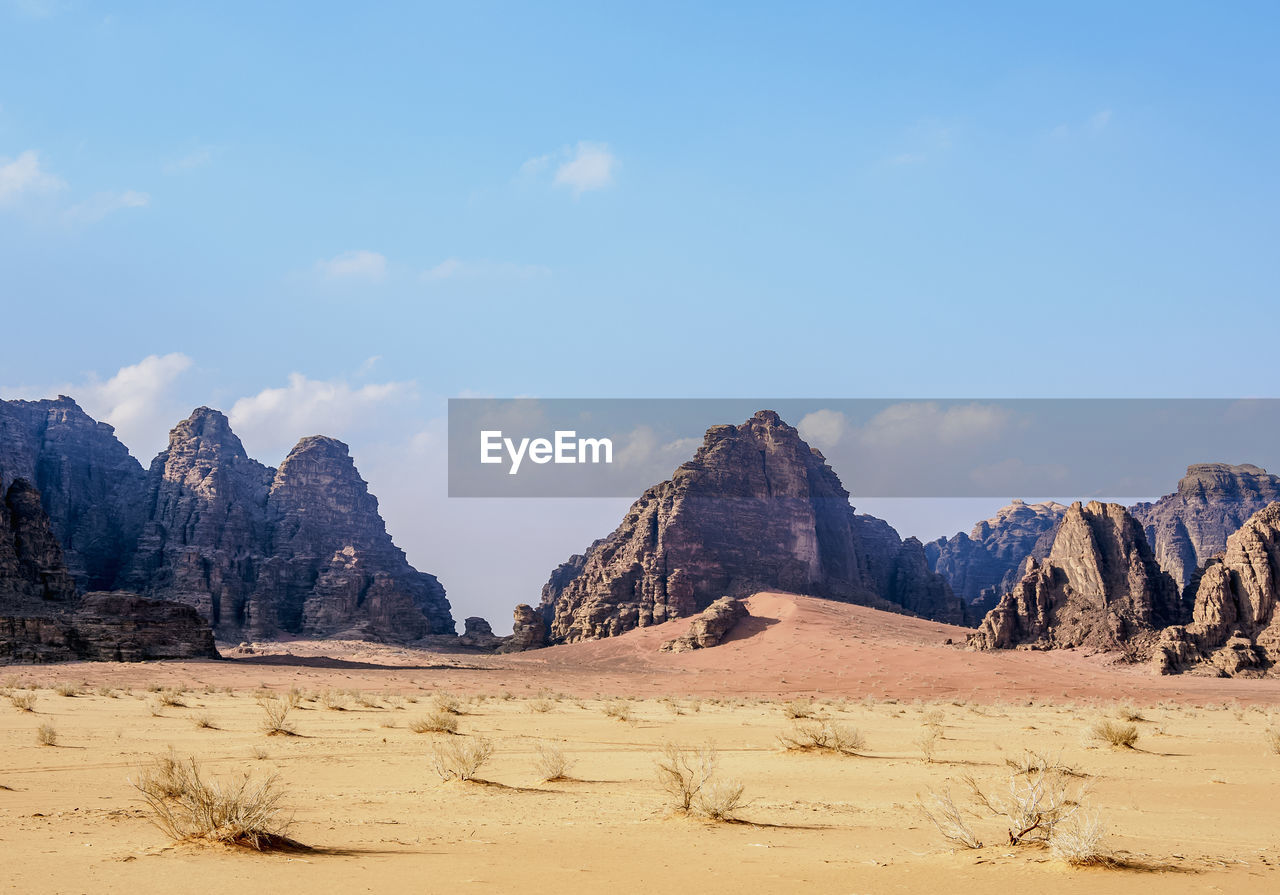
(43,618)
(258,552)
(1213,500)
(985,564)
(1235,625)
(755,509)
(1099,587)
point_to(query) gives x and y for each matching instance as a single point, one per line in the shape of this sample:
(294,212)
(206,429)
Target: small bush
(1129,713)
(275,712)
(435,722)
(46,735)
(187,807)
(943,812)
(928,742)
(171,697)
(551,763)
(823,736)
(23,702)
(1273,741)
(1078,841)
(720,800)
(108,692)
(1031,762)
(684,772)
(799,708)
(460,758)
(1033,807)
(445,701)
(541,705)
(1119,734)
(334,701)
(259,753)
(67,689)
(618,709)
(204,721)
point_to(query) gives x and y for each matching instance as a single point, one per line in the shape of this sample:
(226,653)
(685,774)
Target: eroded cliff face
(1100,587)
(256,551)
(1191,525)
(92,489)
(1235,626)
(985,564)
(43,618)
(755,509)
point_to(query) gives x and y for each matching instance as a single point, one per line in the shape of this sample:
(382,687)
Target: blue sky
(340,217)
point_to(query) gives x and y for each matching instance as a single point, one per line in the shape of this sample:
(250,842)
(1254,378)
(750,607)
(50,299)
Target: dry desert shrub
(551,763)
(684,772)
(435,722)
(108,692)
(1032,762)
(67,689)
(188,807)
(1078,841)
(23,702)
(445,701)
(460,758)
(171,697)
(928,742)
(334,700)
(1130,713)
(275,716)
(1119,734)
(800,708)
(823,736)
(1033,807)
(618,709)
(720,800)
(46,735)
(259,753)
(943,812)
(204,721)
(541,705)
(1273,740)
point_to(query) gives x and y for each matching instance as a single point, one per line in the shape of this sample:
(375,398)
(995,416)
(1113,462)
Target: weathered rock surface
(1191,525)
(1235,625)
(986,563)
(528,631)
(709,627)
(478,634)
(1100,587)
(42,618)
(258,552)
(91,487)
(755,509)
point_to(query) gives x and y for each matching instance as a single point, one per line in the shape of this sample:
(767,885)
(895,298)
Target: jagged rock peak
(754,509)
(1099,587)
(1213,500)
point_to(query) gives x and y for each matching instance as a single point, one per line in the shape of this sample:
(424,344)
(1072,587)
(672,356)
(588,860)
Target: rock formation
(478,634)
(42,618)
(709,627)
(528,631)
(91,487)
(755,509)
(986,563)
(1213,500)
(1235,624)
(1100,587)
(258,552)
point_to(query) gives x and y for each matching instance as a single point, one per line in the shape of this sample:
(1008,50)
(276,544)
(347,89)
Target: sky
(323,217)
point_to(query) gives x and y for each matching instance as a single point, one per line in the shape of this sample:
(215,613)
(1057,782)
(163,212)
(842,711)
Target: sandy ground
(1194,807)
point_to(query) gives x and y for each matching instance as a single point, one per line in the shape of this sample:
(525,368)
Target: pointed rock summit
(755,509)
(1100,587)
(1213,500)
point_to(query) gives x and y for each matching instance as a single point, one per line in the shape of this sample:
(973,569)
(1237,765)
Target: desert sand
(1192,807)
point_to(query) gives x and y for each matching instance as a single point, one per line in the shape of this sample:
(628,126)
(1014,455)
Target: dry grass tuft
(943,812)
(1117,733)
(275,712)
(46,735)
(204,721)
(618,709)
(460,758)
(800,708)
(23,702)
(551,763)
(187,807)
(928,742)
(823,736)
(1273,740)
(445,701)
(67,689)
(435,722)
(1078,841)
(720,800)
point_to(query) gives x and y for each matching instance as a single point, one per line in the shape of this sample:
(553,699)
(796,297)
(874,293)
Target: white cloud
(591,167)
(457,269)
(24,175)
(138,400)
(823,428)
(196,158)
(275,418)
(99,205)
(1100,120)
(925,422)
(360,263)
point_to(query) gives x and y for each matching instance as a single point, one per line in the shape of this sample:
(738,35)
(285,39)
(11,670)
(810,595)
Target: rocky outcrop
(258,552)
(42,618)
(986,563)
(1191,525)
(709,627)
(1100,587)
(755,509)
(1235,625)
(528,631)
(478,634)
(91,488)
